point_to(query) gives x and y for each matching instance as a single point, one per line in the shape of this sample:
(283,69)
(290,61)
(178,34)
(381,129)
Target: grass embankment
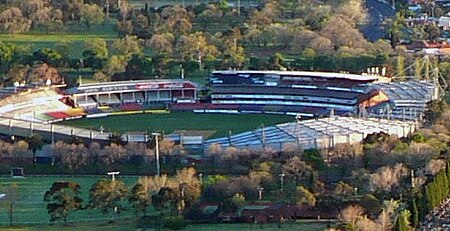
(219,124)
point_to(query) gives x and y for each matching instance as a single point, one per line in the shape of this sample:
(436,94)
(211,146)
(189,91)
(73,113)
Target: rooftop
(303,73)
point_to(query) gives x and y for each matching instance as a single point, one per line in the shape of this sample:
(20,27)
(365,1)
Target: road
(378,12)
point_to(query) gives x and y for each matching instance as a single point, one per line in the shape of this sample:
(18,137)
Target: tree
(7,52)
(16,74)
(189,184)
(314,158)
(91,14)
(124,9)
(353,10)
(141,26)
(352,214)
(73,156)
(115,65)
(305,196)
(234,56)
(371,204)
(161,43)
(403,223)
(12,196)
(415,213)
(297,169)
(98,47)
(101,77)
(49,56)
(139,199)
(166,200)
(139,66)
(108,195)
(69,8)
(63,198)
(176,20)
(344,190)
(128,45)
(212,13)
(35,143)
(388,178)
(195,47)
(13,21)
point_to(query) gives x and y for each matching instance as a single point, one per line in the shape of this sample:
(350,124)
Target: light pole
(260,191)
(298,118)
(182,190)
(113,175)
(158,168)
(282,175)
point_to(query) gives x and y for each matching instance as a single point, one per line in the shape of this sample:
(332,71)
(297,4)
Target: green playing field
(218,124)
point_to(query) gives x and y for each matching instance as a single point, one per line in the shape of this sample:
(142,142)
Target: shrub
(175,223)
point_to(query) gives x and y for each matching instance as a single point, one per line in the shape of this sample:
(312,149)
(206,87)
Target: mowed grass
(31,208)
(75,36)
(219,124)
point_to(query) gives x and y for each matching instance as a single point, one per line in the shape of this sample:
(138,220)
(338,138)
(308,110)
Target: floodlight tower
(113,175)
(158,168)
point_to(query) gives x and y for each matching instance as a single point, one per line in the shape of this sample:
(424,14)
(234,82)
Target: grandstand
(297,92)
(33,104)
(313,133)
(316,94)
(151,93)
(407,100)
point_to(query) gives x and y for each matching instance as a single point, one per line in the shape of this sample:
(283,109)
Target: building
(297,92)
(132,92)
(444,22)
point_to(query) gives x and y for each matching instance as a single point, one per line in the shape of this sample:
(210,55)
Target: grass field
(74,35)
(31,209)
(219,124)
(30,212)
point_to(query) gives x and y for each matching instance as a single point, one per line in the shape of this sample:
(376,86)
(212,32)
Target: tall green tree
(35,143)
(63,198)
(91,14)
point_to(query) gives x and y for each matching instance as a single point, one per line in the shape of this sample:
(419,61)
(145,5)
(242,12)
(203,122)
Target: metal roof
(314,133)
(303,73)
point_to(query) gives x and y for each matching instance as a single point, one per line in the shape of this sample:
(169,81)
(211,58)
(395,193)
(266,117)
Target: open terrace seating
(58,115)
(130,107)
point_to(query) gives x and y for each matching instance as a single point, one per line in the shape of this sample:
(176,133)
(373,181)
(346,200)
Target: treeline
(161,42)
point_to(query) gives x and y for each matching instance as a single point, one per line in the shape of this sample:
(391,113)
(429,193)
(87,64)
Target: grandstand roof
(132,85)
(409,90)
(314,133)
(304,73)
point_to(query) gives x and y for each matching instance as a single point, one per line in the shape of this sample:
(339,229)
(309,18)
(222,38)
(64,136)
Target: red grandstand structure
(132,95)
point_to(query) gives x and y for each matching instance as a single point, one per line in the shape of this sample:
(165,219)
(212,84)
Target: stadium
(299,93)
